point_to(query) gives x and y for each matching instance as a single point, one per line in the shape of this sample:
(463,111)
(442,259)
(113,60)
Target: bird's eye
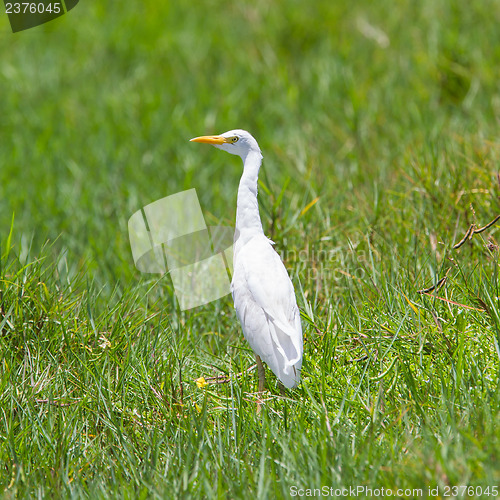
(234,139)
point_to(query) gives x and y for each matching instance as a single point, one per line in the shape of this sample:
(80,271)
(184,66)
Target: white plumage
(263,294)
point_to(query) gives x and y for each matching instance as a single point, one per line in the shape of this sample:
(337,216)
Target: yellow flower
(201,382)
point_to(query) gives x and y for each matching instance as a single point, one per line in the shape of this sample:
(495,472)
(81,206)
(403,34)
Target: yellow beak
(210,139)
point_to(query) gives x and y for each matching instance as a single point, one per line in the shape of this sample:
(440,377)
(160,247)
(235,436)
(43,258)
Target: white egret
(262,291)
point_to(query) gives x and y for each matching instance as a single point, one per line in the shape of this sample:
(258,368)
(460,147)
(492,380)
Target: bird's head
(237,142)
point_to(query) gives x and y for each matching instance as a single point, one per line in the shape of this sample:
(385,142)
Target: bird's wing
(270,289)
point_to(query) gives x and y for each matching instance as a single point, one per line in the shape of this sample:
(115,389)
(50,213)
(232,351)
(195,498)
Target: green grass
(384,113)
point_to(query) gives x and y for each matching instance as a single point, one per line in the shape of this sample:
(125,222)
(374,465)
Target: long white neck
(247,213)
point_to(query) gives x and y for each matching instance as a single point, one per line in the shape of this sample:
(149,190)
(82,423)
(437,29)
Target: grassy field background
(379,128)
